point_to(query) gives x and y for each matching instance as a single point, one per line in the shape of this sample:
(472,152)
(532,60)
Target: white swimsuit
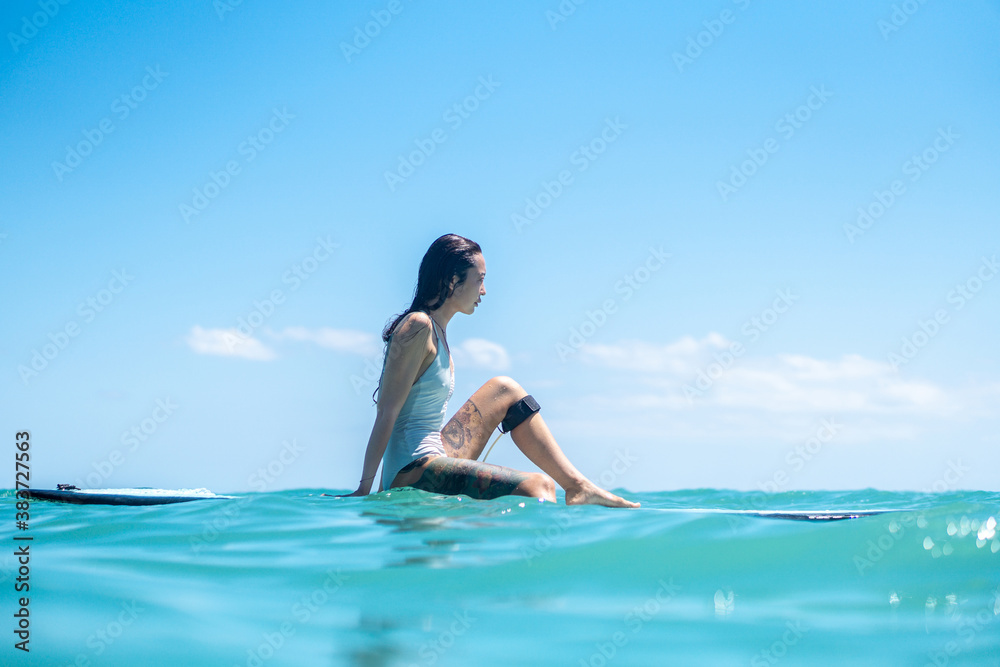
(417,431)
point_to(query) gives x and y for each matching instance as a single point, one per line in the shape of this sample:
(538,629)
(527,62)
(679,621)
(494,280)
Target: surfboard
(139,496)
(793,515)
(67,493)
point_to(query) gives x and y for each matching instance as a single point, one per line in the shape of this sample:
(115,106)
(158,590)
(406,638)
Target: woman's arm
(377,442)
(408,349)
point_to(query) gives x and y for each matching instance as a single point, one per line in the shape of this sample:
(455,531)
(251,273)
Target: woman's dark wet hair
(449,256)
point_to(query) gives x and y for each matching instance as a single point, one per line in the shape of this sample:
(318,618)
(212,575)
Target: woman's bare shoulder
(414,327)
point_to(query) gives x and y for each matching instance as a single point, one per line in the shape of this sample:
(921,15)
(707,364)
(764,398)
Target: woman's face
(467,295)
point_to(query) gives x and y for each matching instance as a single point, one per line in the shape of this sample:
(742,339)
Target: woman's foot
(586,493)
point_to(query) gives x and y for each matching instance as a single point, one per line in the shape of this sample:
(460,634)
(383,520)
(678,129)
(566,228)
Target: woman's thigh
(452,477)
(467,432)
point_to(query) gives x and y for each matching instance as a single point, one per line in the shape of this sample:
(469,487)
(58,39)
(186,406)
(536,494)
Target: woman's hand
(364,488)
(360,492)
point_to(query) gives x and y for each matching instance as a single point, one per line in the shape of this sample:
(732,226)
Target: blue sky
(670,200)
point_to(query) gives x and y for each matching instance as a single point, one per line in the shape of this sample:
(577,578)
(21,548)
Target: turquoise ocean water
(409,578)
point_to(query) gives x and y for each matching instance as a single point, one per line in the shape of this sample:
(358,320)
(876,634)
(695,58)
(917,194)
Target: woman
(417,382)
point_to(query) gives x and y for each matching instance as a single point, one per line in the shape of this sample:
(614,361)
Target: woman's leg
(465,436)
(449,476)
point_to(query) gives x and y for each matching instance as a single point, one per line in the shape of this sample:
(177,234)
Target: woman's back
(417,430)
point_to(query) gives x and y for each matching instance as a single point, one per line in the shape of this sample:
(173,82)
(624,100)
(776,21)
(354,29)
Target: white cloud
(227,343)
(689,374)
(342,340)
(679,357)
(481,353)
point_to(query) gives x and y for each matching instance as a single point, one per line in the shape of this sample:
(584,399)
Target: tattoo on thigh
(454,477)
(413,464)
(459,433)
